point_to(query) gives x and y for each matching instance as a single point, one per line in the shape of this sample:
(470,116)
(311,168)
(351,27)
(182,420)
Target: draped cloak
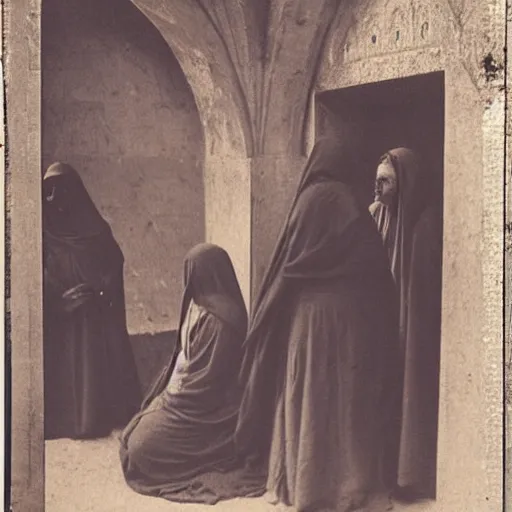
(180,446)
(319,409)
(412,234)
(90,377)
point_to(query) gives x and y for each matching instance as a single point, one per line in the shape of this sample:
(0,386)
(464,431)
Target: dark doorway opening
(376,118)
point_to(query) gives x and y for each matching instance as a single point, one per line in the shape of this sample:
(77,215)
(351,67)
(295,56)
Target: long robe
(90,377)
(180,446)
(412,233)
(320,388)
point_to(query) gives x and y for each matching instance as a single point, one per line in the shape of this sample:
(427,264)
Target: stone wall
(116,105)
(508,285)
(24,295)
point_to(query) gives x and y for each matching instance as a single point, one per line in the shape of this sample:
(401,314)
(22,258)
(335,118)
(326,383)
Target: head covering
(397,221)
(68,211)
(210,281)
(73,227)
(331,160)
(412,180)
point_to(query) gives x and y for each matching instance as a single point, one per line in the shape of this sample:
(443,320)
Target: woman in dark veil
(180,446)
(408,213)
(319,409)
(90,377)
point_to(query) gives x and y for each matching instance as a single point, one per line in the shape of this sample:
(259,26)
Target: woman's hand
(77,296)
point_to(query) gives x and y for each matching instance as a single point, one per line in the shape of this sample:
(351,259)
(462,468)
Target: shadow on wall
(152,353)
(116,106)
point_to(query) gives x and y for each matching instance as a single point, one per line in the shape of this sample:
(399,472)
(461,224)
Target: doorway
(376,118)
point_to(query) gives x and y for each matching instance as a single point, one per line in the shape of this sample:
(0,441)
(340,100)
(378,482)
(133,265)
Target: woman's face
(385,183)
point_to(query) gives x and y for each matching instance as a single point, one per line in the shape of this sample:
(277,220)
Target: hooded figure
(90,377)
(410,221)
(181,444)
(320,402)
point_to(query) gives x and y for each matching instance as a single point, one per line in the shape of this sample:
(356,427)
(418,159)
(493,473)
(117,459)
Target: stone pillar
(246,201)
(25,296)
(227,185)
(274,178)
(471,346)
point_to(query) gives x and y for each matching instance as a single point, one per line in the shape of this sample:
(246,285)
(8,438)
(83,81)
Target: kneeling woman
(181,442)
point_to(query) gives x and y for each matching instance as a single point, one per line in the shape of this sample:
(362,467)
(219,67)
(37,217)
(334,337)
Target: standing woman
(319,408)
(408,216)
(90,377)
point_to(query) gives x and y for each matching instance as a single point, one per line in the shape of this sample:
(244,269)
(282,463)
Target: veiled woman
(180,446)
(322,348)
(408,215)
(90,377)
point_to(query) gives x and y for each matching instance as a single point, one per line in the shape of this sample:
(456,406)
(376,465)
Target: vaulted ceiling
(250,63)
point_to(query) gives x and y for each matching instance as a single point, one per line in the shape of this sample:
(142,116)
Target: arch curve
(206,63)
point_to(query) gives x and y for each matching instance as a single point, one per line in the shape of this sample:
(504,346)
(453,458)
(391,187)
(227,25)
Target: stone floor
(85,476)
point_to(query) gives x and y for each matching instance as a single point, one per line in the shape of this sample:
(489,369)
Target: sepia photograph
(256,255)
